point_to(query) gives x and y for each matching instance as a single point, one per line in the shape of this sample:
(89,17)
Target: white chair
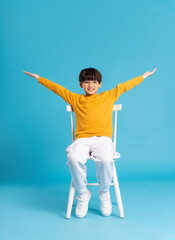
(115,183)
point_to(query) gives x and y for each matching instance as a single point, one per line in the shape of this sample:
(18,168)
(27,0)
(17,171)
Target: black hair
(90,74)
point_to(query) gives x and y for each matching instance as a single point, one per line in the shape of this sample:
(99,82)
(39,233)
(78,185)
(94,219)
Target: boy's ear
(80,84)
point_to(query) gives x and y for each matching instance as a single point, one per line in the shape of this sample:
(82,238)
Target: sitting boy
(93,135)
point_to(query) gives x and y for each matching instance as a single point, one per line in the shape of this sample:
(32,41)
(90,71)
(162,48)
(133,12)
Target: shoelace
(104,197)
(81,200)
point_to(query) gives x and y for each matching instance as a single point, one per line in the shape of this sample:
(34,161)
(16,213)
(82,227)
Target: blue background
(56,40)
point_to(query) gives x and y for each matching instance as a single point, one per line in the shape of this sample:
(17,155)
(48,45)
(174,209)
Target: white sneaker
(105,204)
(82,205)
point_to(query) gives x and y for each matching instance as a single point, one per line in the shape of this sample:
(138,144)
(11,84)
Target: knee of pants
(75,158)
(106,159)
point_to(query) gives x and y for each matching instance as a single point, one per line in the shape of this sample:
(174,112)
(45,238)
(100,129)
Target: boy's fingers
(154,70)
(26,72)
(30,74)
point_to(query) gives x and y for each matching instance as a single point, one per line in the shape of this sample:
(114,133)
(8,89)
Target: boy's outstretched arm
(116,92)
(63,92)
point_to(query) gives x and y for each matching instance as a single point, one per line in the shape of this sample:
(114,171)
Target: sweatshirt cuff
(39,79)
(142,77)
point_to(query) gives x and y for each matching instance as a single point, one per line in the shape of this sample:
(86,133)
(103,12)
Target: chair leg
(70,199)
(117,192)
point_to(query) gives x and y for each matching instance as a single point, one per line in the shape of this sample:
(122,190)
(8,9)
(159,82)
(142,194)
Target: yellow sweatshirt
(93,113)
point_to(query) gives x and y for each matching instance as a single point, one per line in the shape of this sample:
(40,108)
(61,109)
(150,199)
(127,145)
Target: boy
(93,133)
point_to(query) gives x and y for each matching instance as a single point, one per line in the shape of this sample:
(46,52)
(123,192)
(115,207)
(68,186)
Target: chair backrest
(116,107)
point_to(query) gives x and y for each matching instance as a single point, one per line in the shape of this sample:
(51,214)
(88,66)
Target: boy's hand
(147,74)
(32,75)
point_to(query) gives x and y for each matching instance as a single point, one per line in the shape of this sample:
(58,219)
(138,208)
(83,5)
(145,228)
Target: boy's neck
(91,95)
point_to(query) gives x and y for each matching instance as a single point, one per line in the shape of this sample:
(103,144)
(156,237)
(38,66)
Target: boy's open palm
(32,74)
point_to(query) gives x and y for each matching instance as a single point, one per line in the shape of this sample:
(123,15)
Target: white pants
(99,149)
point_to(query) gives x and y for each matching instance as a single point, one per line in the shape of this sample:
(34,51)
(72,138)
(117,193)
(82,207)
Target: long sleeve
(63,92)
(116,92)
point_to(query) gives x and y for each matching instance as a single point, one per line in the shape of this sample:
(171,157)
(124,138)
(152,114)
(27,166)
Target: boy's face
(90,86)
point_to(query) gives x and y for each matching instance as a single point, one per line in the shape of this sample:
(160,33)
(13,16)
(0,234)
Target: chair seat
(116,155)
